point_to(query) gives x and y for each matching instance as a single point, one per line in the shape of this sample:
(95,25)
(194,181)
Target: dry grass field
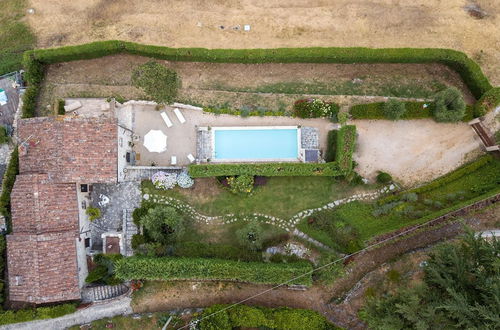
(278,23)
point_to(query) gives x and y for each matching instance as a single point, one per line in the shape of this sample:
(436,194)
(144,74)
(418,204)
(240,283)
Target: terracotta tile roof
(40,206)
(70,149)
(61,152)
(42,268)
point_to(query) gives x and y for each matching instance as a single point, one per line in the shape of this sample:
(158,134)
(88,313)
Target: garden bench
(179,115)
(166,119)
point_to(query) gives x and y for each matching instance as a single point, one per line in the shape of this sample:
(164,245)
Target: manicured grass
(15,35)
(281,196)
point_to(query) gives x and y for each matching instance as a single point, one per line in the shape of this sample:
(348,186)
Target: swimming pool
(234,144)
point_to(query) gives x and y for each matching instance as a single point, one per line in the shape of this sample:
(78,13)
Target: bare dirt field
(271,86)
(280,23)
(413,151)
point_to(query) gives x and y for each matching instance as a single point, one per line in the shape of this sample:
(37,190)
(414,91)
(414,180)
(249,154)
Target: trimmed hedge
(9,179)
(487,102)
(242,316)
(450,177)
(40,313)
(331,145)
(167,268)
(346,143)
(265,169)
(469,70)
(414,110)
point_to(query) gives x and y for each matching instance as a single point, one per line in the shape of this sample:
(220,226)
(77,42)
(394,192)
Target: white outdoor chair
(173,160)
(179,115)
(167,120)
(191,158)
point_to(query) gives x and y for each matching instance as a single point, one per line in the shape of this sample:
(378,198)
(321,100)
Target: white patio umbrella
(155,141)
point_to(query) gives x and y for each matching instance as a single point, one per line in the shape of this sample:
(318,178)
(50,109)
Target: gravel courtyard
(413,151)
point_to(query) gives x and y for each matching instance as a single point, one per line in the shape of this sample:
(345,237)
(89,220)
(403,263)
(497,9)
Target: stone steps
(129,229)
(103,292)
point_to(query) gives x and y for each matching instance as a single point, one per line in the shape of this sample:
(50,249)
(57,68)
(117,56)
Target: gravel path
(92,313)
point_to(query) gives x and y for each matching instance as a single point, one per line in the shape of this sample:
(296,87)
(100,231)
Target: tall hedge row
(265,169)
(487,102)
(346,144)
(167,268)
(469,70)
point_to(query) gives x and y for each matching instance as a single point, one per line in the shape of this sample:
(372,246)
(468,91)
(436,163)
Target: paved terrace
(181,138)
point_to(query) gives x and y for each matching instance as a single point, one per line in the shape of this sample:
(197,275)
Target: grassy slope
(359,215)
(280,197)
(15,35)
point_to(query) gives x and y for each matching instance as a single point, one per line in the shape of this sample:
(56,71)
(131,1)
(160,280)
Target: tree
(158,81)
(163,224)
(460,289)
(394,109)
(449,105)
(251,236)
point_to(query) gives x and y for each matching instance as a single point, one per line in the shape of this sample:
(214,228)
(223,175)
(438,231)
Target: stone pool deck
(182,138)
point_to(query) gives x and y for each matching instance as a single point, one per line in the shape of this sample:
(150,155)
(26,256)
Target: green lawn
(360,215)
(15,35)
(281,196)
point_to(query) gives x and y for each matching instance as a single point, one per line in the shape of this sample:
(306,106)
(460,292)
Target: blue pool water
(256,144)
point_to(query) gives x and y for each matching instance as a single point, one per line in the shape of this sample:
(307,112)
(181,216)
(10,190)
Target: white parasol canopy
(155,141)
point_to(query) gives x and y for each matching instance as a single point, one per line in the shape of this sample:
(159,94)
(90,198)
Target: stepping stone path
(288,225)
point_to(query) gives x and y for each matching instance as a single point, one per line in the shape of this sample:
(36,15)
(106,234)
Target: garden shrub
(242,184)
(93,213)
(60,103)
(237,112)
(265,169)
(328,274)
(383,177)
(331,145)
(394,109)
(163,224)
(184,180)
(3,246)
(139,212)
(346,143)
(487,102)
(256,317)
(164,180)
(9,179)
(137,240)
(4,136)
(40,313)
(315,108)
(168,268)
(251,236)
(158,81)
(97,274)
(449,105)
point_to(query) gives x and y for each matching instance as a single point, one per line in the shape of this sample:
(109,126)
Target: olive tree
(163,224)
(449,105)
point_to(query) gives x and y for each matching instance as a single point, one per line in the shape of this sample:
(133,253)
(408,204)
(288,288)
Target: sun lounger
(173,160)
(166,119)
(191,158)
(179,115)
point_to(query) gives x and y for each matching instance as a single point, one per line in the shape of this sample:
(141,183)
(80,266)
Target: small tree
(394,109)
(158,81)
(163,224)
(251,236)
(93,213)
(449,105)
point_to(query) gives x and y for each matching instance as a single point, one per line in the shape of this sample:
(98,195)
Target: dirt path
(279,23)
